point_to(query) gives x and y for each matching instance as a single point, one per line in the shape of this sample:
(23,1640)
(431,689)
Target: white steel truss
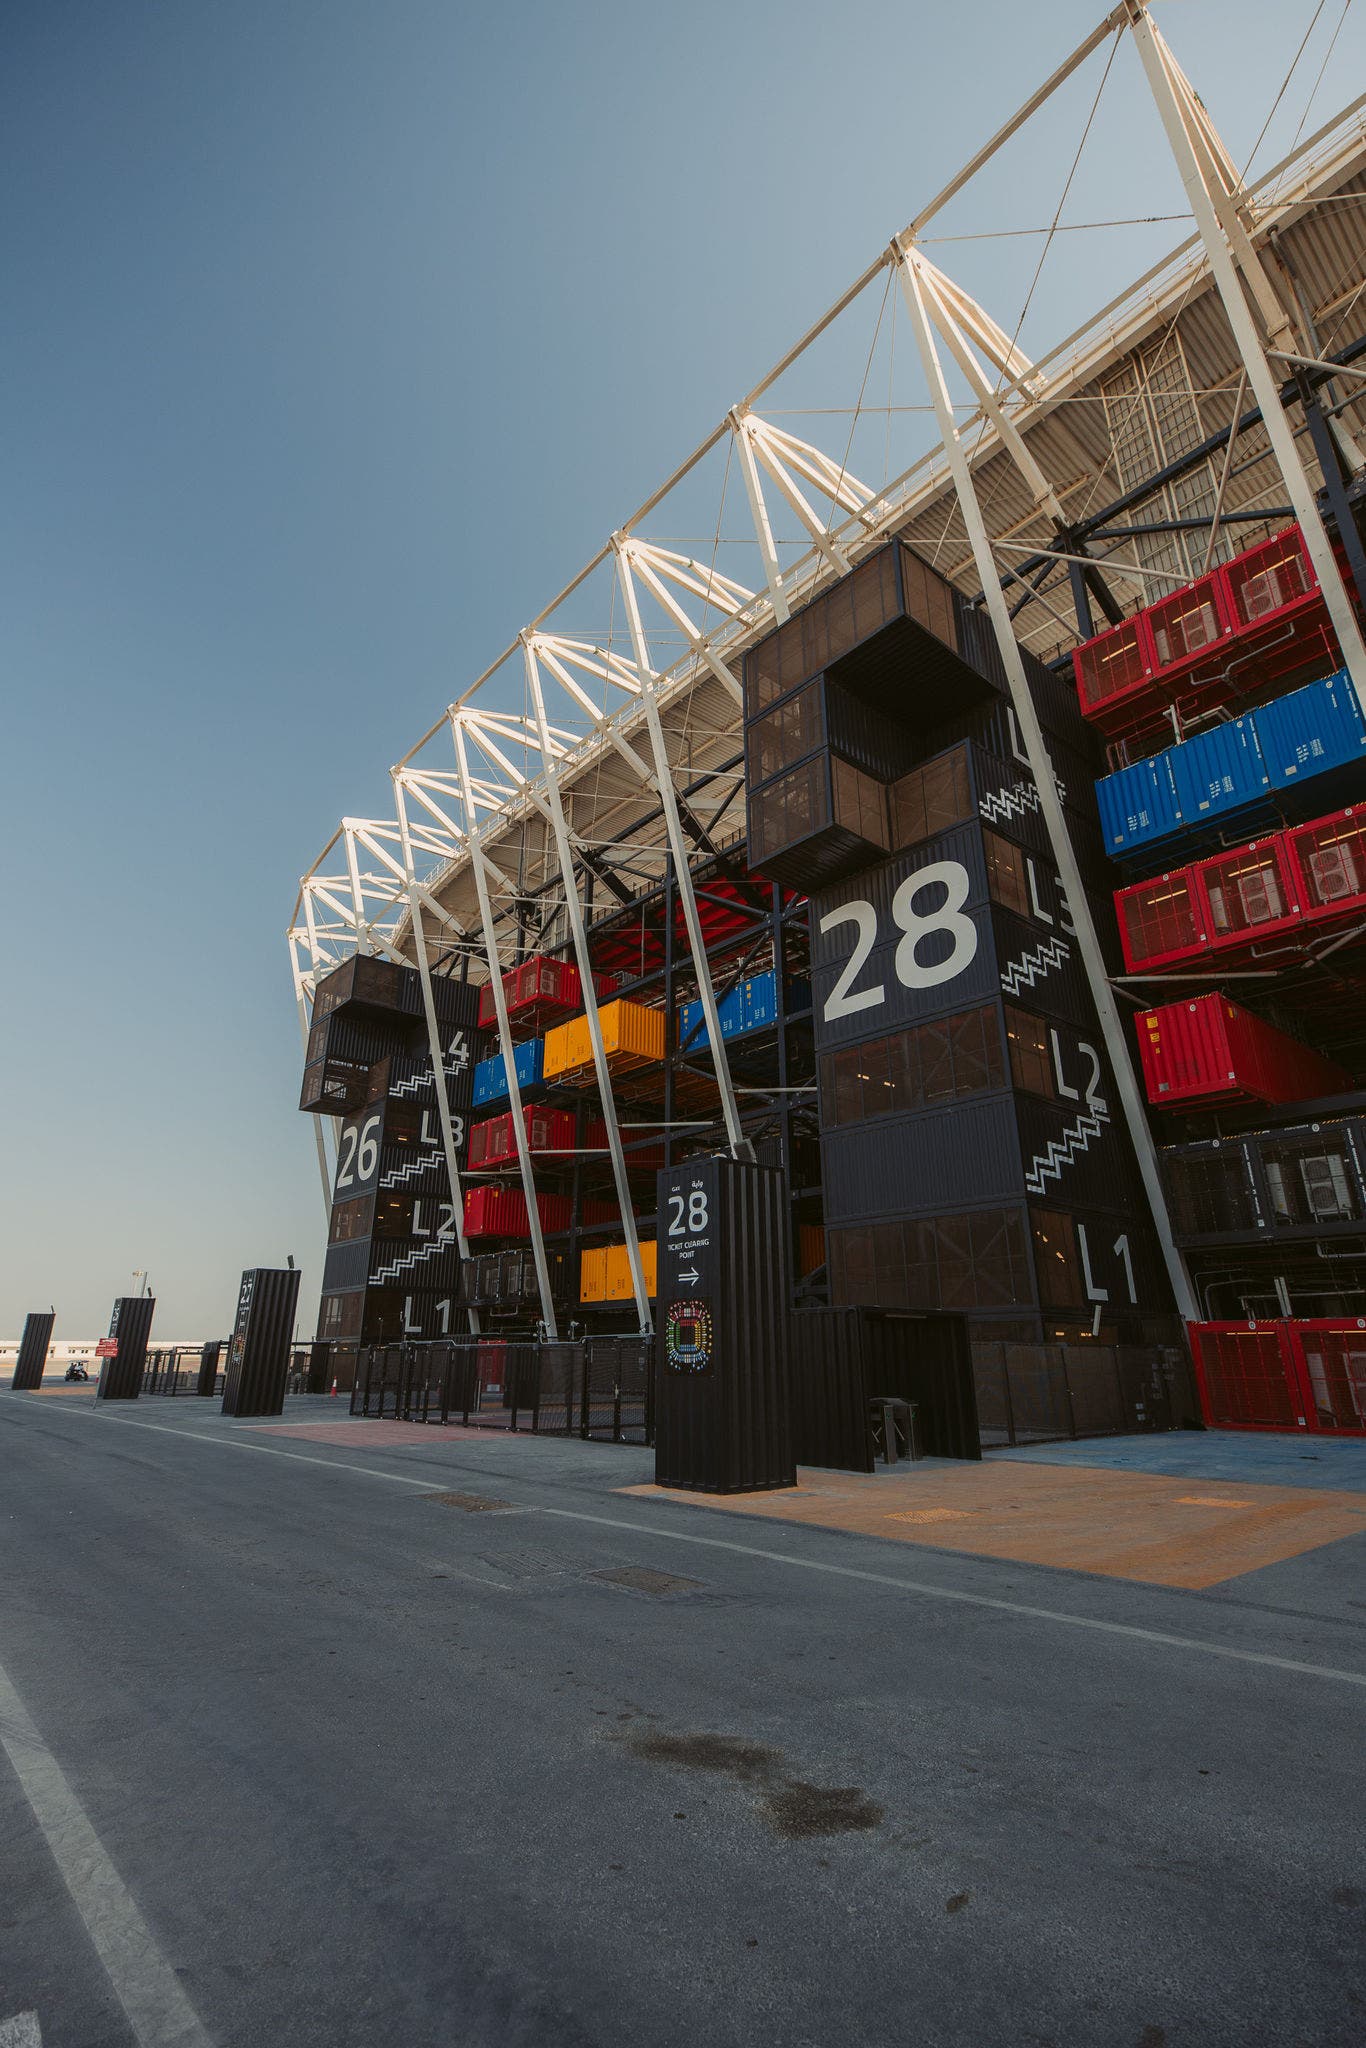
(398,879)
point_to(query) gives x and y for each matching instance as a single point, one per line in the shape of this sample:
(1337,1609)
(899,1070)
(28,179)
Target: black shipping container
(130,1326)
(414,1262)
(1296,1183)
(258,1351)
(721,1412)
(33,1350)
(319,1368)
(209,1358)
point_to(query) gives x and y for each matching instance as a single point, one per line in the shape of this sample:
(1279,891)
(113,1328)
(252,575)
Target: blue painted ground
(1337,1464)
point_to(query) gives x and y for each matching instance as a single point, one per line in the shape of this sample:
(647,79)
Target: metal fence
(1036,1393)
(599,1389)
(178,1372)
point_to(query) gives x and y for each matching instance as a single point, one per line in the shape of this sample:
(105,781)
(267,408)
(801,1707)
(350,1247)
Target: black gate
(600,1390)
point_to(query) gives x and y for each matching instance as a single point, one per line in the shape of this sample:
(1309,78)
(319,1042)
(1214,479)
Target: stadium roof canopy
(1114,446)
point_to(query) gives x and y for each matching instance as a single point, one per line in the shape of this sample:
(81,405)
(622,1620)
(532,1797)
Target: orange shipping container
(632,1036)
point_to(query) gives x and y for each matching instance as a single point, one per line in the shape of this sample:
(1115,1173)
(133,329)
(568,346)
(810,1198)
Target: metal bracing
(508,1050)
(588,989)
(739,1145)
(1217,206)
(436,1044)
(1088,943)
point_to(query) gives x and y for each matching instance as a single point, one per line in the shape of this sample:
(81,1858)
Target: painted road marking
(23,2031)
(158,2011)
(839,1571)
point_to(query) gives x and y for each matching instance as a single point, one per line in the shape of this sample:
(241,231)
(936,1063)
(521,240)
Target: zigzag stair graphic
(410,1169)
(1009,803)
(1060,1152)
(407,1261)
(1033,966)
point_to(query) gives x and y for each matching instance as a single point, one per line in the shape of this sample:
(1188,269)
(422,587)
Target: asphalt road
(366,1766)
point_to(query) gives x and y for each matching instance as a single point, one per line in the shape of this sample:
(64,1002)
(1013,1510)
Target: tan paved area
(1159,1530)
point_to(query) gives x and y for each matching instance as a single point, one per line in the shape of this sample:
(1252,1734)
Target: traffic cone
(334,1390)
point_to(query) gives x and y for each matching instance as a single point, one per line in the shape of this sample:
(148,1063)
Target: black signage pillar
(33,1349)
(129,1328)
(721,1410)
(258,1350)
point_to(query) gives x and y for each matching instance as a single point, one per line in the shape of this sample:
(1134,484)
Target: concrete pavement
(452,1741)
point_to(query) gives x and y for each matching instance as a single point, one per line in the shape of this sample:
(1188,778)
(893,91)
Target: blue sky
(336,337)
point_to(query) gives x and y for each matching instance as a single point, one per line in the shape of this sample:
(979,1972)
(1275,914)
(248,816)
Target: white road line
(23,2031)
(845,1571)
(232,1443)
(158,2011)
(811,1564)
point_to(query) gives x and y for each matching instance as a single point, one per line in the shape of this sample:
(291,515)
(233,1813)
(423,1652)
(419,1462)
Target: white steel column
(574,908)
(1078,903)
(740,1146)
(1248,342)
(434,1039)
(508,1050)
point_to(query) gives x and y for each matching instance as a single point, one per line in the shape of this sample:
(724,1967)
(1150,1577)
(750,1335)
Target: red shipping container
(1248,1377)
(1210,1050)
(501,1212)
(1332,1359)
(539,992)
(1269,583)
(1286,1375)
(493,1143)
(1182,626)
(1249,895)
(1111,668)
(1161,921)
(1329,860)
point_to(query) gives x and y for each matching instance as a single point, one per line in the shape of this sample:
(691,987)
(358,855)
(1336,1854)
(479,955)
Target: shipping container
(618,1271)
(1271,583)
(1248,1377)
(493,1143)
(632,1036)
(810,1248)
(1250,895)
(1311,732)
(1111,668)
(539,992)
(1332,1359)
(1210,1050)
(1329,860)
(1187,623)
(1161,921)
(490,1075)
(593,1273)
(1138,804)
(1301,1182)
(1217,772)
(493,1211)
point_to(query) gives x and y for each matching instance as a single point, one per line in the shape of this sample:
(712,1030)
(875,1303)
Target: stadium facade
(982,849)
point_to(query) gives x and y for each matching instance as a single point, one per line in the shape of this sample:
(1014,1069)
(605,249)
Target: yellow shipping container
(593,1274)
(632,1036)
(619,1286)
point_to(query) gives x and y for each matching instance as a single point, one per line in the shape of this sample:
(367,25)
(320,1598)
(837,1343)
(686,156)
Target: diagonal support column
(560,827)
(434,1039)
(1111,1025)
(508,1050)
(1247,340)
(739,1145)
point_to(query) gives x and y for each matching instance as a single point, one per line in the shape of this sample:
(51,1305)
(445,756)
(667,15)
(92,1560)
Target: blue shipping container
(1138,804)
(760,994)
(692,1029)
(491,1078)
(1310,731)
(1218,771)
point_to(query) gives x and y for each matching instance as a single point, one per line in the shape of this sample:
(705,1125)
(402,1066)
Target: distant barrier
(180,1371)
(599,1389)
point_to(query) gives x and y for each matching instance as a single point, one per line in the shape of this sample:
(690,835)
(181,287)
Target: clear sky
(336,335)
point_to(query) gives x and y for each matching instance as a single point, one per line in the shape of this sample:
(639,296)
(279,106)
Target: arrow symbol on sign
(690,1278)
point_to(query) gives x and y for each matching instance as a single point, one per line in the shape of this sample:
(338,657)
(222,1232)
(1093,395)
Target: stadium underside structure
(897,841)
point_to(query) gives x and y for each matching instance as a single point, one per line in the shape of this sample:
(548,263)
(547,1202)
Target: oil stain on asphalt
(793,1808)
